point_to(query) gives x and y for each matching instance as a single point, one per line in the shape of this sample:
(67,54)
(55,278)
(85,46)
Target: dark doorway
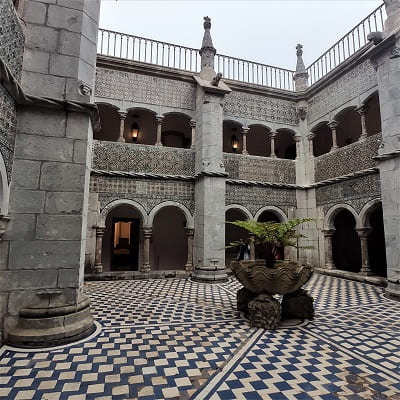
(346,247)
(376,244)
(268,216)
(125,244)
(234,233)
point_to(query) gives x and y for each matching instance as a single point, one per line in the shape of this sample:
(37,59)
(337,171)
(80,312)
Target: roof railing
(348,45)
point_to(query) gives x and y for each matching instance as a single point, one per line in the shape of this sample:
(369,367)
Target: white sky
(266,31)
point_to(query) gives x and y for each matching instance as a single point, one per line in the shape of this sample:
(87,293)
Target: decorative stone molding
(302,112)
(351,158)
(146,89)
(253,106)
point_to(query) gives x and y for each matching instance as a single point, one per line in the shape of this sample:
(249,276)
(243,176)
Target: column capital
(189,231)
(122,114)
(159,119)
(99,229)
(272,134)
(192,123)
(147,231)
(328,232)
(311,136)
(333,124)
(245,129)
(363,232)
(297,138)
(362,110)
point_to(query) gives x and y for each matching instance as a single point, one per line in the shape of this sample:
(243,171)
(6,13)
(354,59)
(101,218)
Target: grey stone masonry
(60,55)
(386,58)
(50,185)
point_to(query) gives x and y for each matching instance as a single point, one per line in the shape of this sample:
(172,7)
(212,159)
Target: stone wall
(12,38)
(260,108)
(147,89)
(261,169)
(355,192)
(351,158)
(147,192)
(355,82)
(113,156)
(255,197)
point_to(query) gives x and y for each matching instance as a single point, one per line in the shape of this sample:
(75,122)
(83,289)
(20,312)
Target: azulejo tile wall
(260,169)
(12,39)
(8,121)
(144,89)
(255,197)
(113,156)
(352,158)
(147,192)
(355,192)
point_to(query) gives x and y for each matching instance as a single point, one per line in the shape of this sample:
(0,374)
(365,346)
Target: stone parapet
(354,157)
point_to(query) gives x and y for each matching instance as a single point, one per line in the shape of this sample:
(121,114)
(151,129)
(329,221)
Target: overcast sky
(266,31)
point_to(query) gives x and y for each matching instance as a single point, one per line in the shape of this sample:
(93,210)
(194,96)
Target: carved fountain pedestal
(256,298)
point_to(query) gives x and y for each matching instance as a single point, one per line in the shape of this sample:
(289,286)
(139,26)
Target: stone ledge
(353,276)
(136,275)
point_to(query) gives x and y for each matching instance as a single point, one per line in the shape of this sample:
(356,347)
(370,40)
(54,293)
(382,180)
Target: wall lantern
(135,131)
(235,143)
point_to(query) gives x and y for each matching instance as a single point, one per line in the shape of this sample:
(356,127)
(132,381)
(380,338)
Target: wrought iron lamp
(235,143)
(135,131)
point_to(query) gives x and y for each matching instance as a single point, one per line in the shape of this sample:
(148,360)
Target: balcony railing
(136,48)
(348,45)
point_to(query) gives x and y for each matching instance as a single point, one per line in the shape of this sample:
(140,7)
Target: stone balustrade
(128,157)
(260,169)
(354,157)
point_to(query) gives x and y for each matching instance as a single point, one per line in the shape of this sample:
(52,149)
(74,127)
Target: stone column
(386,60)
(122,116)
(147,233)
(190,236)
(193,126)
(311,138)
(98,265)
(159,121)
(297,139)
(245,130)
(363,235)
(252,248)
(363,111)
(333,125)
(328,233)
(46,305)
(272,136)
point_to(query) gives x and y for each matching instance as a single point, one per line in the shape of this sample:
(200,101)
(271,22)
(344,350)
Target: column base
(52,326)
(366,273)
(211,274)
(145,268)
(121,140)
(189,267)
(393,289)
(329,266)
(98,269)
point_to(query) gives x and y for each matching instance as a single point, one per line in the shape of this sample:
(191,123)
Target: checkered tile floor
(177,339)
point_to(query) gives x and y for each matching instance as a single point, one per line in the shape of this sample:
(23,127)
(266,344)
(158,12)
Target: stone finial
(207,52)
(301,75)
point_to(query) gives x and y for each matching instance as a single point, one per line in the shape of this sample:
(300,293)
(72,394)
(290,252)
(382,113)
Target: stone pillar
(159,121)
(147,233)
(272,136)
(209,236)
(193,126)
(297,139)
(333,125)
(363,235)
(386,59)
(363,111)
(328,233)
(190,235)
(252,248)
(245,130)
(122,116)
(311,138)
(46,305)
(98,265)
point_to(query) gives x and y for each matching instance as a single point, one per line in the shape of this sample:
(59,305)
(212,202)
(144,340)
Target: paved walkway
(175,339)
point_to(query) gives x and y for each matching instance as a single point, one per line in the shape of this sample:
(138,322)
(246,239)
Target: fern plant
(272,235)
